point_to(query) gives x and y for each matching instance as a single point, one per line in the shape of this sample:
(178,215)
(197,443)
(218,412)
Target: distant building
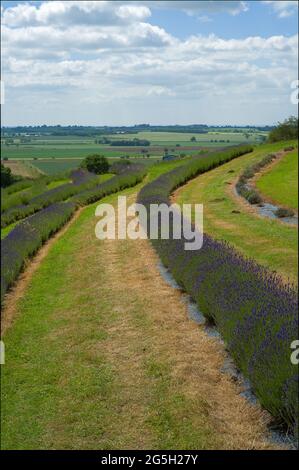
(169,157)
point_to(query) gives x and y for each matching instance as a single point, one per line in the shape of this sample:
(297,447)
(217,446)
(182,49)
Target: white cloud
(106,61)
(283,8)
(201,6)
(62,13)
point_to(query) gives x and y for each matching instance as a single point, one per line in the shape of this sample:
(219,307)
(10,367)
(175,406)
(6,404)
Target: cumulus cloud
(284,8)
(62,13)
(108,57)
(197,7)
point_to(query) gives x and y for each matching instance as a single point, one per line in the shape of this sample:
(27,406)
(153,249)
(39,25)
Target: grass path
(102,355)
(228,217)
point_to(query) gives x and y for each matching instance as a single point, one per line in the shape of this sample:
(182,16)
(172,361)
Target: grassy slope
(268,241)
(281,183)
(100,356)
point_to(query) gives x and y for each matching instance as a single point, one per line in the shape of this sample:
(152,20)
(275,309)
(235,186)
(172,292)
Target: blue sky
(160,62)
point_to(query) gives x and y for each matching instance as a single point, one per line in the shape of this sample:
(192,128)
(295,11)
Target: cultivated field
(95,336)
(227,217)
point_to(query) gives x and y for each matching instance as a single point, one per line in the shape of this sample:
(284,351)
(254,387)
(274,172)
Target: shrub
(7,177)
(282,212)
(287,130)
(255,313)
(253,197)
(39,198)
(27,237)
(97,164)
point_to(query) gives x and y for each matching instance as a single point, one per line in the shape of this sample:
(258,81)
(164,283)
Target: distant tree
(6,176)
(96,164)
(193,139)
(286,130)
(165,151)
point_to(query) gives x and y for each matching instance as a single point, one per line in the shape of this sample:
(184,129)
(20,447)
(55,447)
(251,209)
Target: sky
(156,62)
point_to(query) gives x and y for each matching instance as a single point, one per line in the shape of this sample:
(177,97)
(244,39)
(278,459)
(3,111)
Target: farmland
(64,422)
(104,320)
(70,147)
(273,244)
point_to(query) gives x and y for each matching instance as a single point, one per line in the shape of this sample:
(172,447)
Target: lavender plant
(254,311)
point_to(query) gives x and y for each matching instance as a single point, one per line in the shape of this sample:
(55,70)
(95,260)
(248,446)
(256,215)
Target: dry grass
(131,371)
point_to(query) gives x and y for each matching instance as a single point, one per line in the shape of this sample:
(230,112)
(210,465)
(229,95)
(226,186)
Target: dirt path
(123,365)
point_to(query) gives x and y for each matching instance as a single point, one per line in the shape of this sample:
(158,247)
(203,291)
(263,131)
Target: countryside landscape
(132,342)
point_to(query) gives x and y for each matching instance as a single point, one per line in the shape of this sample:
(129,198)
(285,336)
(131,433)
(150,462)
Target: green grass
(61,388)
(5,231)
(55,184)
(280,184)
(52,167)
(70,147)
(269,242)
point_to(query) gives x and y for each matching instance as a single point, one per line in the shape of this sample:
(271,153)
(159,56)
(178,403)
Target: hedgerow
(254,311)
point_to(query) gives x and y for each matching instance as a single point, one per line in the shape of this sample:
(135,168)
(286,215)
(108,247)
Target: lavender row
(254,311)
(29,235)
(81,179)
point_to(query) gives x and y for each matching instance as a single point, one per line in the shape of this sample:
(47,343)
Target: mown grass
(269,242)
(280,184)
(5,231)
(61,389)
(55,184)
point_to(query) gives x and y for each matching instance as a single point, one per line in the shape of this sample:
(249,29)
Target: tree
(96,164)
(287,130)
(193,139)
(6,176)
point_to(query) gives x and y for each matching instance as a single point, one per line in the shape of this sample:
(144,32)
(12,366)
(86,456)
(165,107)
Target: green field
(75,147)
(96,369)
(280,184)
(270,242)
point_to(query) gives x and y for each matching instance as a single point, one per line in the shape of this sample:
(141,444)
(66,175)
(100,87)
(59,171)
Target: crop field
(70,147)
(79,349)
(105,305)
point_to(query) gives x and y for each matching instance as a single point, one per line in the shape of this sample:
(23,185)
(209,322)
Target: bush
(255,313)
(39,198)
(7,177)
(287,130)
(28,236)
(97,164)
(281,212)
(253,197)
